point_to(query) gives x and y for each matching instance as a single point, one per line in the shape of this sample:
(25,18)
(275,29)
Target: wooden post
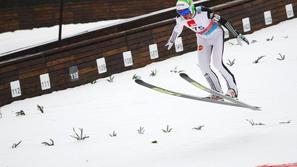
(61,19)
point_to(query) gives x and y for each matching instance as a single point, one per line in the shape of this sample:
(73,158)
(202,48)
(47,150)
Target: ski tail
(204,88)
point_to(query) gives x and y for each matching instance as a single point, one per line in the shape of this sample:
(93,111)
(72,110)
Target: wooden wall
(83,51)
(47,13)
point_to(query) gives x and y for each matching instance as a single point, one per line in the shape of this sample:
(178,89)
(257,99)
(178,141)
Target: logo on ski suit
(191,23)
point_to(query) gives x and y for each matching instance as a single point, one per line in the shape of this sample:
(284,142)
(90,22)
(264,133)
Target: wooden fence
(85,58)
(27,15)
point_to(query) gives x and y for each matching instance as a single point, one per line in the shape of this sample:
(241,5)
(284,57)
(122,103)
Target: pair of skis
(230,101)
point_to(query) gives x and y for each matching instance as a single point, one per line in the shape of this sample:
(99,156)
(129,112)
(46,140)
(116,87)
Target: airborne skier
(210,42)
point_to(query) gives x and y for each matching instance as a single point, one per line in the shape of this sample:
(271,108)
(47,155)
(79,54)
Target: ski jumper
(210,44)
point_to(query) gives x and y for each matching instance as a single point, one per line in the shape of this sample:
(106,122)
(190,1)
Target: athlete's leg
(217,60)
(204,51)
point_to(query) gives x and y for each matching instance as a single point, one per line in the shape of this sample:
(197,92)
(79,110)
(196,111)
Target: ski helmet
(185,7)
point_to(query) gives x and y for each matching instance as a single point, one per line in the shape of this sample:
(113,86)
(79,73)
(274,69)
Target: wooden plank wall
(45,15)
(57,61)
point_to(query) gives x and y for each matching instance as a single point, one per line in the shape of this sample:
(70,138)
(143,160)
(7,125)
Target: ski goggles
(183,12)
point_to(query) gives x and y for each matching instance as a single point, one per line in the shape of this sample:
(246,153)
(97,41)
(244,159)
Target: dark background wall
(27,14)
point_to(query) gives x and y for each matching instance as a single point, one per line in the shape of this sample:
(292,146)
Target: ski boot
(214,97)
(231,93)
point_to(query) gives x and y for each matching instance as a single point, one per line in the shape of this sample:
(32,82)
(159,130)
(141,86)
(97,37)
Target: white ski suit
(210,44)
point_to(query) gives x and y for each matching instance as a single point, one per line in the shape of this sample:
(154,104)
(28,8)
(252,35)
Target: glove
(169,45)
(240,38)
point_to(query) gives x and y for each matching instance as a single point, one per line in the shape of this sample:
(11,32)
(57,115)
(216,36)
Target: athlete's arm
(175,33)
(222,21)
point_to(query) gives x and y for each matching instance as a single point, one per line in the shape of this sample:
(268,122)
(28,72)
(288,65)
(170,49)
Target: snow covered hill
(23,39)
(226,138)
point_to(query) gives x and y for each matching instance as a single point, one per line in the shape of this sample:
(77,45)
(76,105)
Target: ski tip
(256,108)
(138,81)
(183,74)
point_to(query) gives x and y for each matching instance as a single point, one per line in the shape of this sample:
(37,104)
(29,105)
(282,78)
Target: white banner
(290,10)
(154,51)
(101,65)
(15,88)
(73,72)
(268,17)
(45,81)
(246,24)
(128,60)
(179,45)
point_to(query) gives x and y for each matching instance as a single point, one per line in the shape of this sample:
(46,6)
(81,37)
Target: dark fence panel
(27,14)
(25,3)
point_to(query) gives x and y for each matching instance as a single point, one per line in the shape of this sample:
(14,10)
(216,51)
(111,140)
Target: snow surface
(226,140)
(22,39)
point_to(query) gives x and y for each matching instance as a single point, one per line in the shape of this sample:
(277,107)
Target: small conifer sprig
(79,136)
(167,130)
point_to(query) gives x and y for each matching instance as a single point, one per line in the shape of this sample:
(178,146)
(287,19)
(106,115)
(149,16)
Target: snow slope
(227,138)
(22,39)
